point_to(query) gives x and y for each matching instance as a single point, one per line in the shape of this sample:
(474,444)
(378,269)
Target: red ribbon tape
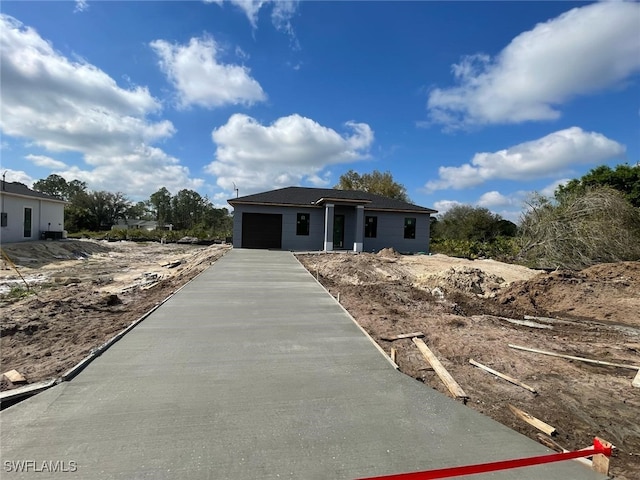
(598,447)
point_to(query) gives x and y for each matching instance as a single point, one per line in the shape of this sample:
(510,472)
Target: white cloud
(81,6)
(200,79)
(494,199)
(72,106)
(292,149)
(550,189)
(584,50)
(18,176)
(44,161)
(541,158)
(443,206)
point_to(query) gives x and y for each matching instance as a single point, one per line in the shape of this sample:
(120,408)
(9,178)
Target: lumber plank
(571,357)
(14,376)
(600,461)
(394,354)
(455,389)
(503,376)
(403,335)
(636,380)
(533,421)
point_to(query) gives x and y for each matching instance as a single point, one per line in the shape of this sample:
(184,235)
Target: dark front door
(338,231)
(261,230)
(27,222)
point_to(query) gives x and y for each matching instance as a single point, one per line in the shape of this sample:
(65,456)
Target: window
(370,227)
(3,219)
(302,226)
(409,228)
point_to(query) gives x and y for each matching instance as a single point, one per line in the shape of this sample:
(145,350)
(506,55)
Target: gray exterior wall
(290,241)
(390,231)
(45,215)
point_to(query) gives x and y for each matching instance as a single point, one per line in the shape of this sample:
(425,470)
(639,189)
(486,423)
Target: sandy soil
(462,306)
(84,292)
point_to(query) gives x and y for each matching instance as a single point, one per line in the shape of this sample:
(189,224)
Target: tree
(580,228)
(375,182)
(58,187)
(161,202)
(624,178)
(464,222)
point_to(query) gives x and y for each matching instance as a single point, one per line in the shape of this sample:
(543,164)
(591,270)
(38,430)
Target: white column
(328,227)
(358,244)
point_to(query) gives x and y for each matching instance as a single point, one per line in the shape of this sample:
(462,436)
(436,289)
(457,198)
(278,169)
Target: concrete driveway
(252,371)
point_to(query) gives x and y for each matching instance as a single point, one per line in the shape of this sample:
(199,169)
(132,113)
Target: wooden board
(533,421)
(503,376)
(403,335)
(571,357)
(14,376)
(455,389)
(636,380)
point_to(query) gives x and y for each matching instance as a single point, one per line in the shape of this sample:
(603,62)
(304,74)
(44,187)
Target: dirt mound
(463,279)
(389,252)
(606,292)
(39,253)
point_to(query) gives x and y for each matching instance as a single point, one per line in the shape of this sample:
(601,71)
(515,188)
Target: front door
(338,231)
(27,222)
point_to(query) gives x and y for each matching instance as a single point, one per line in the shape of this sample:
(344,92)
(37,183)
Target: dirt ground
(464,308)
(84,292)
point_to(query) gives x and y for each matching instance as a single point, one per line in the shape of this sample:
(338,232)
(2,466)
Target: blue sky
(463,102)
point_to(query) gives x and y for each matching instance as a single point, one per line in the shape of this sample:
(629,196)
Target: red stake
(501,465)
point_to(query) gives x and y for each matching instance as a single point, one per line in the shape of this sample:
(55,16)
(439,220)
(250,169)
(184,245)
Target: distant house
(135,224)
(297,218)
(29,215)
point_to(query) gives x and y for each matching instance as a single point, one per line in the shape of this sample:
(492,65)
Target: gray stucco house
(29,215)
(312,219)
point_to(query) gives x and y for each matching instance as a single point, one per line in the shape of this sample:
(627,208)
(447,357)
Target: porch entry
(338,231)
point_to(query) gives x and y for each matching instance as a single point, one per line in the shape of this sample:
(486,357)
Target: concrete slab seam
(366,334)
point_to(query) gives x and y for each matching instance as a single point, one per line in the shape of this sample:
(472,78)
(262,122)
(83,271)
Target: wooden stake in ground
(636,380)
(601,462)
(455,389)
(503,376)
(533,421)
(394,354)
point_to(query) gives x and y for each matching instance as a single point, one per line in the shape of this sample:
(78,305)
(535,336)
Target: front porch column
(358,244)
(328,227)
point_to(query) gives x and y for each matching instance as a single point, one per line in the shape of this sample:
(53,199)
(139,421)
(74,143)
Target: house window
(302,226)
(3,219)
(409,228)
(370,227)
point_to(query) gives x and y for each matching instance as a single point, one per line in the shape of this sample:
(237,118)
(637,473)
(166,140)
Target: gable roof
(21,190)
(316,197)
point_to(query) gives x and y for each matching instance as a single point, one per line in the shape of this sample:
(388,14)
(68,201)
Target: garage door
(261,230)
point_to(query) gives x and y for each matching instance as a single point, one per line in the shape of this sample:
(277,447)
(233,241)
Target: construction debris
(403,335)
(571,357)
(455,389)
(533,421)
(636,380)
(503,376)
(14,377)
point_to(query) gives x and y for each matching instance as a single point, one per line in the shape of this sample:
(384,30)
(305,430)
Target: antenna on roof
(3,175)
(235,189)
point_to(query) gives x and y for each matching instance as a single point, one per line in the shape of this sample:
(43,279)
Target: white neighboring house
(29,215)
(135,224)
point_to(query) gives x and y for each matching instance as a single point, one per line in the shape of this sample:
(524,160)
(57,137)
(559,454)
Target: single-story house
(311,219)
(136,224)
(29,215)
